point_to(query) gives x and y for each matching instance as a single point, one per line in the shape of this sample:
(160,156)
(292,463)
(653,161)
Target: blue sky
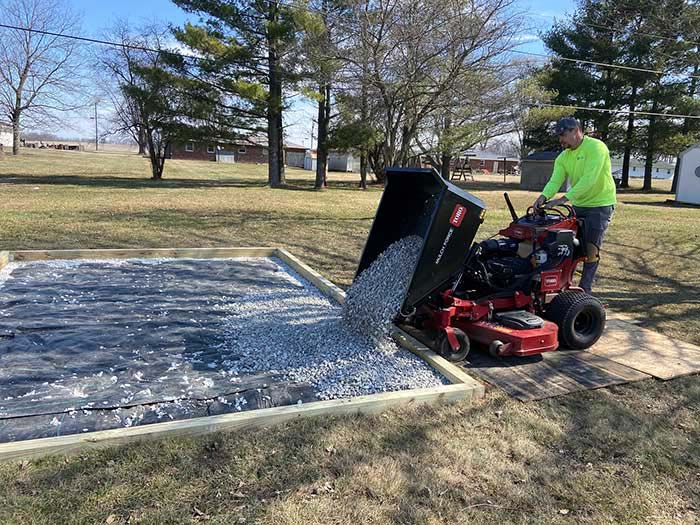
(98,16)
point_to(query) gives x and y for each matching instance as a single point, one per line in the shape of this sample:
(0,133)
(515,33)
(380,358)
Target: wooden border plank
(5,258)
(241,420)
(134,253)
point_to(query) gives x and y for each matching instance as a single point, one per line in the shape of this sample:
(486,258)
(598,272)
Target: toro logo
(458,216)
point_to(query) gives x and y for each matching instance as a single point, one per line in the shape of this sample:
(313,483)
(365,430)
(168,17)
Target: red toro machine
(512,294)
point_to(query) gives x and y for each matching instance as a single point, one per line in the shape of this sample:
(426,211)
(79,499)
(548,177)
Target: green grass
(624,454)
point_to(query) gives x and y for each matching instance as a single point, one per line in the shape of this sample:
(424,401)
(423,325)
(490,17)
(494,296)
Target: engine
(507,264)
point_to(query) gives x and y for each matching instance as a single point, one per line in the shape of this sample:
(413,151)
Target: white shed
(688,188)
(6,135)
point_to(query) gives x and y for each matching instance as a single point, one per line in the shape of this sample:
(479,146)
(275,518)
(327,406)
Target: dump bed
(420,202)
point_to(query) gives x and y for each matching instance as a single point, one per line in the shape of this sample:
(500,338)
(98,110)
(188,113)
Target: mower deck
(515,342)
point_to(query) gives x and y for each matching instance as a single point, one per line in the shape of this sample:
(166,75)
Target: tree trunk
(324,113)
(628,140)
(650,149)
(15,133)
(143,143)
(363,170)
(445,161)
(275,140)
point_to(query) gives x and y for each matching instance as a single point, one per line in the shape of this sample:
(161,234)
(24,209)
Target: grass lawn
(624,454)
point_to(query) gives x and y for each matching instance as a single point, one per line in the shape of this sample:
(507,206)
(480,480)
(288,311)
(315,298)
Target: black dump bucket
(420,202)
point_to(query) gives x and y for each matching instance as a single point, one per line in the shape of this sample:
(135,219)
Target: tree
(412,64)
(646,35)
(114,66)
(37,71)
(247,49)
(321,52)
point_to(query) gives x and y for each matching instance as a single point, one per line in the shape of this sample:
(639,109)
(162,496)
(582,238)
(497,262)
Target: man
(586,162)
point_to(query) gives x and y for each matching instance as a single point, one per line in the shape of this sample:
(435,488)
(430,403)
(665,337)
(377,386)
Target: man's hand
(557,202)
(539,202)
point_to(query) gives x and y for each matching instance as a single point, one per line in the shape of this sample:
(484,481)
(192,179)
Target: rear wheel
(580,318)
(445,349)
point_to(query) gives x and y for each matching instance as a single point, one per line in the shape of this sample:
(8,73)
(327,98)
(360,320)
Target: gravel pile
(375,297)
(339,351)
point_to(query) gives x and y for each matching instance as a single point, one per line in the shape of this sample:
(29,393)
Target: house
(253,150)
(536,169)
(490,161)
(660,169)
(6,135)
(688,188)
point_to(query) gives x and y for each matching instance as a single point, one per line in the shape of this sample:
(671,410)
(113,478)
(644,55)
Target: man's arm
(555,181)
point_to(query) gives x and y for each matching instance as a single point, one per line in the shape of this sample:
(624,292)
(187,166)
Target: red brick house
(252,150)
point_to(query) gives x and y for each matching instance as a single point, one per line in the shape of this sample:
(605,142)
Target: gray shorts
(595,221)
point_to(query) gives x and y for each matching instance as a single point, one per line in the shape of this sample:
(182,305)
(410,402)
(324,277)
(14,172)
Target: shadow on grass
(601,454)
(643,288)
(101,181)
(665,204)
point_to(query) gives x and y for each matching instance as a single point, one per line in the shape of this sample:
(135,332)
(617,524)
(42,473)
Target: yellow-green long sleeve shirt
(590,176)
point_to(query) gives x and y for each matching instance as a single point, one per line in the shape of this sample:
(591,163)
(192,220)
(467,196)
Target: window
(482,163)
(189,147)
(634,168)
(241,150)
(211,149)
(657,170)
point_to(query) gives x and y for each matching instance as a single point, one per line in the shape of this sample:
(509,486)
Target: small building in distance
(688,187)
(536,169)
(252,150)
(5,135)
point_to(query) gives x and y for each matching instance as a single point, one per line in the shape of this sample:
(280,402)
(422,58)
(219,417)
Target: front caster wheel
(445,349)
(495,348)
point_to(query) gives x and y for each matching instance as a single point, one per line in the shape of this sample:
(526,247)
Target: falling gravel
(375,297)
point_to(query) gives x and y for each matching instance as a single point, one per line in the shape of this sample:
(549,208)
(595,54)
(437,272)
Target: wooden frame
(463,386)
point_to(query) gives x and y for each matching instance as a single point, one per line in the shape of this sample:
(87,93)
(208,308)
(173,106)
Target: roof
(639,163)
(487,155)
(5,125)
(542,155)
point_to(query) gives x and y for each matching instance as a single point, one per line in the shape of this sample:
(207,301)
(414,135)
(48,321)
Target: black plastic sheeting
(91,345)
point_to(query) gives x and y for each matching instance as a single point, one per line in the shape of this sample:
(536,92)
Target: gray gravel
(375,297)
(341,352)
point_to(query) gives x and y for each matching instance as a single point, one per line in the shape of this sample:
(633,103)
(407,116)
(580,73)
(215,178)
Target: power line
(98,41)
(612,30)
(621,111)
(593,63)
(182,55)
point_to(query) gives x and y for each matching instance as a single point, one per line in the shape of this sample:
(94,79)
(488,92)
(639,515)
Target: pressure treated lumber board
(463,387)
(4,259)
(195,253)
(647,351)
(236,421)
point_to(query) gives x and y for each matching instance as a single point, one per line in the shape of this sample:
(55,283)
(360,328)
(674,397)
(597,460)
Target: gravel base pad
(88,345)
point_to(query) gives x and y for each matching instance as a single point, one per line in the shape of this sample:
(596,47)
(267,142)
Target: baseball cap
(565,124)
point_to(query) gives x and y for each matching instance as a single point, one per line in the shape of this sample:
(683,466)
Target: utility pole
(97,142)
(97,139)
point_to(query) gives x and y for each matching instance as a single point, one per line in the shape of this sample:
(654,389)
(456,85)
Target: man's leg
(590,267)
(596,221)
